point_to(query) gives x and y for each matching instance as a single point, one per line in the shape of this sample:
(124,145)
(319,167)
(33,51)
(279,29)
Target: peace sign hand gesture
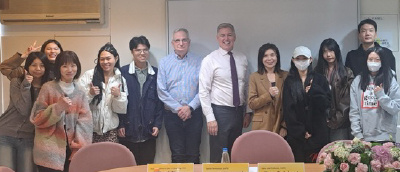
(30,49)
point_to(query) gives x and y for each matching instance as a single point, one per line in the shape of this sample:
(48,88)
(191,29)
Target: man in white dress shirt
(222,92)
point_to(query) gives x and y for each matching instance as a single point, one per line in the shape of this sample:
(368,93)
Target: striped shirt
(178,81)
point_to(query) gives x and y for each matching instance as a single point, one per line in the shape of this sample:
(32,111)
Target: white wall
(124,19)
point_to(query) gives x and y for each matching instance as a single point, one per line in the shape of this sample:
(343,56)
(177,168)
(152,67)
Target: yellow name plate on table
(280,167)
(225,167)
(181,167)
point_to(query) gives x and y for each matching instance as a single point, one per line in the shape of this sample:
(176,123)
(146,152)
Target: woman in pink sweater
(61,115)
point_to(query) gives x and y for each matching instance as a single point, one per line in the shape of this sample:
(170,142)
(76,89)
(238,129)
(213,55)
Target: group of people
(54,111)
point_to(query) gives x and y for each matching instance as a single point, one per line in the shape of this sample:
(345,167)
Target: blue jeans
(16,153)
(184,136)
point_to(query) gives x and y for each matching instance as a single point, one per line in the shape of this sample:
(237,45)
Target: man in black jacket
(366,34)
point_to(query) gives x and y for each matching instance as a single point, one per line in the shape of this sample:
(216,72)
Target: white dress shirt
(215,82)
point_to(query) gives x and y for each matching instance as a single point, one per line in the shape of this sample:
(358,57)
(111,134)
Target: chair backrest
(327,146)
(6,169)
(261,146)
(101,156)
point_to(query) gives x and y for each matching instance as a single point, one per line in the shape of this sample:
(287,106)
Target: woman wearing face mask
(330,64)
(107,94)
(375,99)
(306,100)
(11,68)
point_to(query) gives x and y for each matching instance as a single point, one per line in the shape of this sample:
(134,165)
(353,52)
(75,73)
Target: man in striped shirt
(178,88)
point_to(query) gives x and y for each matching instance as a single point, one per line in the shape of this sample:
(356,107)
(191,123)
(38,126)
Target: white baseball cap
(302,51)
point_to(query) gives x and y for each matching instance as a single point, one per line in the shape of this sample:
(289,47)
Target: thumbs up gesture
(94,90)
(115,91)
(28,77)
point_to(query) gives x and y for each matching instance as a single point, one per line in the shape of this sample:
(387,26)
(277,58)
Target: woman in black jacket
(306,100)
(330,64)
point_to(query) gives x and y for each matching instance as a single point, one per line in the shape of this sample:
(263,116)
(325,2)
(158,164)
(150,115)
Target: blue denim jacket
(143,112)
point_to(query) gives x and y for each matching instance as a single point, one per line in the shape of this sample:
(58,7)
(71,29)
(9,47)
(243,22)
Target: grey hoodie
(374,124)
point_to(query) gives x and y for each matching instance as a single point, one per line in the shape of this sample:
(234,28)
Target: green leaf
(365,159)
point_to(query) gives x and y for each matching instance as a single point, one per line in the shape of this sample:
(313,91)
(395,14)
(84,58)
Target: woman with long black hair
(330,65)
(375,99)
(107,94)
(306,99)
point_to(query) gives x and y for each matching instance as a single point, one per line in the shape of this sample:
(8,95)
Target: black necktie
(235,84)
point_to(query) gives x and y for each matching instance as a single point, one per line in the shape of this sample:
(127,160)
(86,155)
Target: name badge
(225,167)
(181,167)
(281,167)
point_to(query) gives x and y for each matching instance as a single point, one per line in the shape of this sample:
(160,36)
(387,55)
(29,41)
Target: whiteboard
(286,23)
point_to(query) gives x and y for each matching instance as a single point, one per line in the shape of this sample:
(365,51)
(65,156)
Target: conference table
(309,167)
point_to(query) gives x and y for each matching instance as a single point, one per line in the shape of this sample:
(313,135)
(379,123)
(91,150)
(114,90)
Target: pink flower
(382,154)
(344,167)
(328,162)
(388,145)
(388,166)
(396,164)
(361,168)
(354,158)
(322,156)
(367,144)
(376,165)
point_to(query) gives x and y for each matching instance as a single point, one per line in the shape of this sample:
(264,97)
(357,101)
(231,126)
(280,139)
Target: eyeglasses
(141,51)
(185,40)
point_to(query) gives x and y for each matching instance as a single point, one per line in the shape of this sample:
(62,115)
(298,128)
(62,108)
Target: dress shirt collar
(184,57)
(132,68)
(224,52)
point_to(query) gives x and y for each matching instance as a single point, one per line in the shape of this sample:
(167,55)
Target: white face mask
(374,66)
(302,64)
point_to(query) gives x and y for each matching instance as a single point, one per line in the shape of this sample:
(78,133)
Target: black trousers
(304,150)
(144,152)
(230,124)
(184,136)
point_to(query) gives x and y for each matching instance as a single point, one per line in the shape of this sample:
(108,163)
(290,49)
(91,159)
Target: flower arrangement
(360,156)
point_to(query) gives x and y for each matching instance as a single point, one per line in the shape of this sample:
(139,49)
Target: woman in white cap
(375,99)
(306,99)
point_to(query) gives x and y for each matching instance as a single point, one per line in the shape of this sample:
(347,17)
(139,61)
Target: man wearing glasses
(178,88)
(139,127)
